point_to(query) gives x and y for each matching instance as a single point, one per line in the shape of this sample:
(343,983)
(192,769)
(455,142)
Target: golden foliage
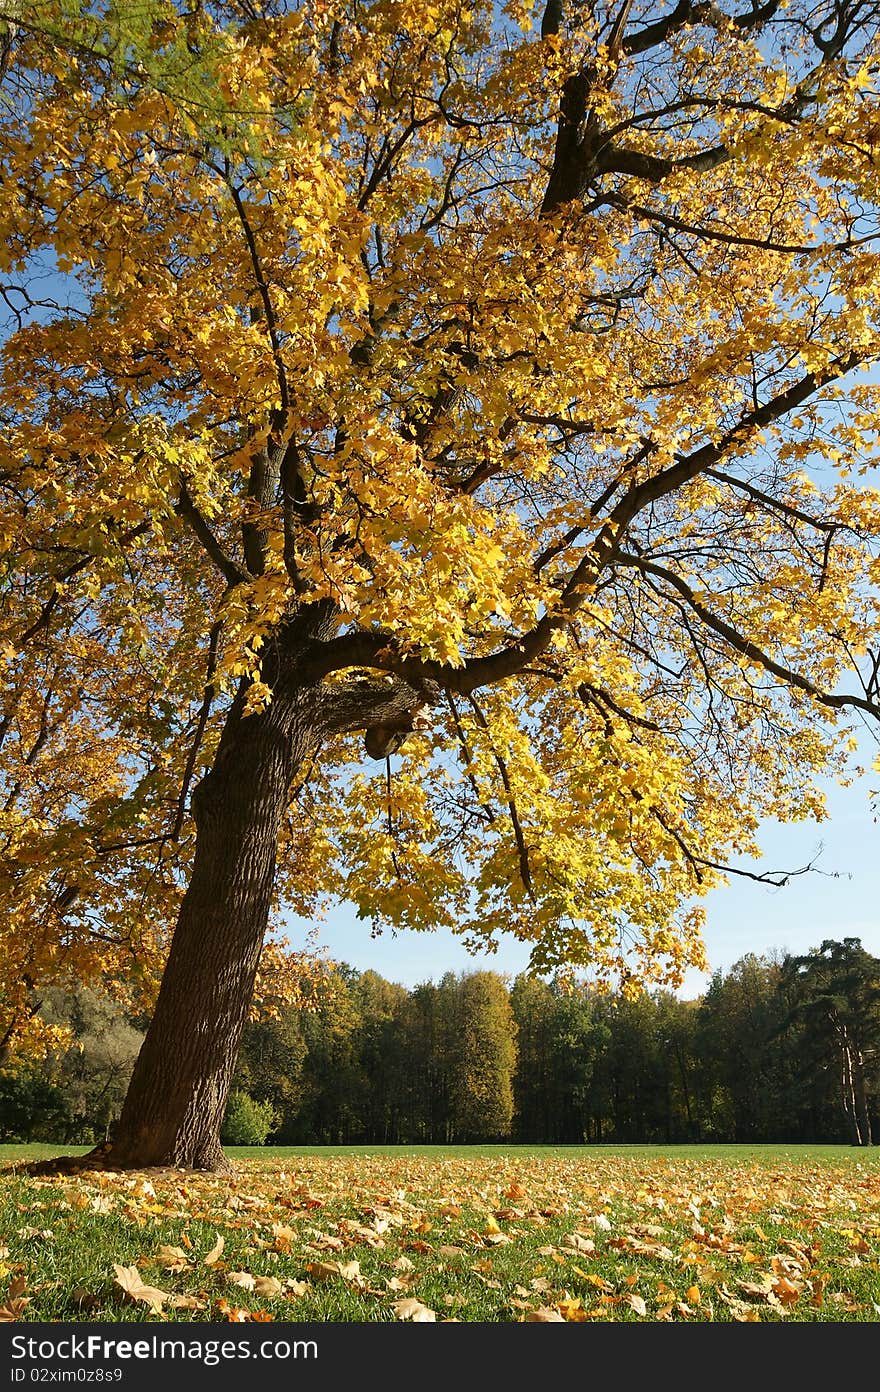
(596,464)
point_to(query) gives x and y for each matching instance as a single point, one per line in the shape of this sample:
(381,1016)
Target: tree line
(778,1049)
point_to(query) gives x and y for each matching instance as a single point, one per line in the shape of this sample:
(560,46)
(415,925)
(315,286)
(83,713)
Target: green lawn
(477,1233)
(760,1154)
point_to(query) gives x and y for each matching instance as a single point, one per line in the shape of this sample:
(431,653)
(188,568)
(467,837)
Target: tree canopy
(490,381)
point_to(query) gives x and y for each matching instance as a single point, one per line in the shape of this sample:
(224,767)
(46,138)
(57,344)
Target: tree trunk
(849,1096)
(176,1101)
(861,1097)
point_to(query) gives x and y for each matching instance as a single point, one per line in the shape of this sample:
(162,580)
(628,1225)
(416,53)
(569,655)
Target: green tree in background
(745,1074)
(483,1056)
(834,994)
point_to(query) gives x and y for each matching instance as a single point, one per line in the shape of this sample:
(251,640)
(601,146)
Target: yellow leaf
(414,1310)
(172,1258)
(129,1278)
(267,1286)
(214,1255)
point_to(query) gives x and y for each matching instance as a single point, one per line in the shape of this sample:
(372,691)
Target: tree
(381,1005)
(495,398)
(834,995)
(746,1066)
(94,1070)
(247,1122)
(271,1064)
(482,1058)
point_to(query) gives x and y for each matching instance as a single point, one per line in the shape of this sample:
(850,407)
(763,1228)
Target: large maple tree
(483,386)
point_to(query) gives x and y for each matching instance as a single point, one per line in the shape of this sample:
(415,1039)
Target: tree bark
(176,1100)
(861,1097)
(177,1097)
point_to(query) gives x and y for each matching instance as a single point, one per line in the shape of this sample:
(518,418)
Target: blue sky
(842,900)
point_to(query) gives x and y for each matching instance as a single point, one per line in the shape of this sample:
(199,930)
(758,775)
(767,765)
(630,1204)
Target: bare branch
(740,643)
(522,849)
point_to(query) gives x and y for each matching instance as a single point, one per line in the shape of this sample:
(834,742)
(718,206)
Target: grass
(759,1153)
(489,1233)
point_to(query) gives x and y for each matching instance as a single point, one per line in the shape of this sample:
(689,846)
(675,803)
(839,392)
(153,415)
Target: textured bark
(176,1100)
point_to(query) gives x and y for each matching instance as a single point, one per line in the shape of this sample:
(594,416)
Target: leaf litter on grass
(598,1236)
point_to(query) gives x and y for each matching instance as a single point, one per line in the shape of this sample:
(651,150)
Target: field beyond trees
(698,1233)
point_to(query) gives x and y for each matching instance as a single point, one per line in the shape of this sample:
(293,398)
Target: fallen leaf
(414,1310)
(579,1243)
(233,1314)
(214,1255)
(129,1278)
(12,1310)
(172,1258)
(267,1286)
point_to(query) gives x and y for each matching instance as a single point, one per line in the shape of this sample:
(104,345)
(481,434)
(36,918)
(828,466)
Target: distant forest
(784,1049)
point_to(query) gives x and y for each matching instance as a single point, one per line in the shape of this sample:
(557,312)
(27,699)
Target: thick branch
(370,649)
(388,710)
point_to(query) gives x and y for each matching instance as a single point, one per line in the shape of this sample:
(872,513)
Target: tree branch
(525,871)
(186,508)
(745,646)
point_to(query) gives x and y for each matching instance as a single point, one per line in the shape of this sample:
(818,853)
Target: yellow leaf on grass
(414,1310)
(12,1310)
(16,1300)
(214,1255)
(129,1278)
(787,1292)
(579,1242)
(544,1315)
(131,1281)
(267,1286)
(172,1258)
(233,1314)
